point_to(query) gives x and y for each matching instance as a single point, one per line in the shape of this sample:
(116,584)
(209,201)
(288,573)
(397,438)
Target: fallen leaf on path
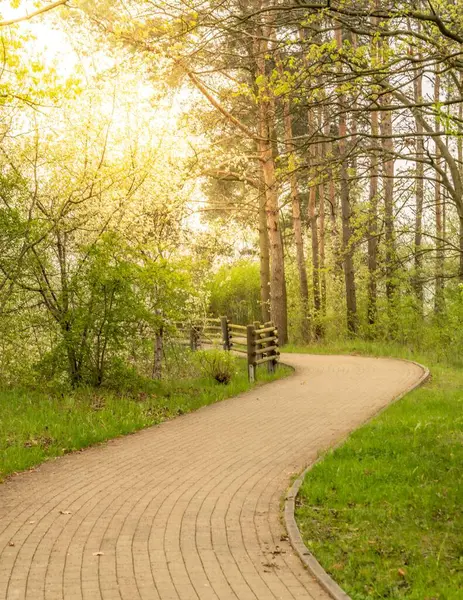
(98,554)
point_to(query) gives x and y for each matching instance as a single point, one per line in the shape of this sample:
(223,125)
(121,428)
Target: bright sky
(49,39)
(58,49)
(61,50)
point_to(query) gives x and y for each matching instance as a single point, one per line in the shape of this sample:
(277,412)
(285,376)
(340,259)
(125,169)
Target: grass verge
(383,512)
(35,426)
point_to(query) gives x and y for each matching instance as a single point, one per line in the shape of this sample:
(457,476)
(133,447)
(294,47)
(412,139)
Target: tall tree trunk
(314,230)
(460,270)
(333,201)
(348,258)
(460,162)
(349,269)
(264,255)
(321,192)
(321,219)
(372,309)
(388,186)
(439,267)
(278,305)
(373,226)
(315,261)
(277,279)
(419,199)
(301,265)
(296,214)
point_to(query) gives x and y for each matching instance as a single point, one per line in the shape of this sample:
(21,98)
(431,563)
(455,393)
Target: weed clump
(217,364)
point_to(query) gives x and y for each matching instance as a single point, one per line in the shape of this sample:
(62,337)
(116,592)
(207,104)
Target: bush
(218,364)
(235,292)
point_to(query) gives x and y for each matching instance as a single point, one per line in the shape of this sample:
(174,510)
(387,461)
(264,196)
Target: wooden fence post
(225,333)
(251,343)
(271,365)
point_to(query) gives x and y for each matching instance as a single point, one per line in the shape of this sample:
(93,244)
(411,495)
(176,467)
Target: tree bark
(277,280)
(264,256)
(321,193)
(321,219)
(460,270)
(439,266)
(460,162)
(372,309)
(373,227)
(301,265)
(419,199)
(348,258)
(314,231)
(278,305)
(333,201)
(388,186)
(296,215)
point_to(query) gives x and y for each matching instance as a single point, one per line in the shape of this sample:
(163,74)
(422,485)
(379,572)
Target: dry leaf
(11,544)
(98,554)
(401,572)
(65,512)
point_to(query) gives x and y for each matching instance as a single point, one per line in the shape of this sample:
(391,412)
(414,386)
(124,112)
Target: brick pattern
(191,509)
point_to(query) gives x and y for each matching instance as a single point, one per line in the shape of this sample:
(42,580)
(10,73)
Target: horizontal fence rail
(262,347)
(258,342)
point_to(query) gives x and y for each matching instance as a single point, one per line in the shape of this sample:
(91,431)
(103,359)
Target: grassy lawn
(383,513)
(35,426)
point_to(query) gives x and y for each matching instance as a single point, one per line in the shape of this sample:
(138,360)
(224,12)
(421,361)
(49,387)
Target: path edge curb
(294,535)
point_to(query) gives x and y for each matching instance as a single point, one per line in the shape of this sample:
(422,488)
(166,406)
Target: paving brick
(189,509)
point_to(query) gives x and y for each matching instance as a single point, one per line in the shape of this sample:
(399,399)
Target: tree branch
(36,13)
(215,103)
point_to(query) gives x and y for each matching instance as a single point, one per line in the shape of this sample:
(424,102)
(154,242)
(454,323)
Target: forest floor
(37,425)
(382,513)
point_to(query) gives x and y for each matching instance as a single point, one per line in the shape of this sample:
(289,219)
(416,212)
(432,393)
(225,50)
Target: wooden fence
(258,342)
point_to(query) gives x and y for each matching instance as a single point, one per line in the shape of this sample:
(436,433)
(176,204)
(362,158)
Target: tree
(35,13)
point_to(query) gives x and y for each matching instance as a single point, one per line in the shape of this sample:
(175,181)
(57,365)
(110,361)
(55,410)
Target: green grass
(35,426)
(383,513)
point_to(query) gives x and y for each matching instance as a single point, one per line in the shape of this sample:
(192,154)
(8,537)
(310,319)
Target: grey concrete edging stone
(295,537)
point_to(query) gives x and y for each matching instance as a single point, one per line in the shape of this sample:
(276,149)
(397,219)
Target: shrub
(235,292)
(218,364)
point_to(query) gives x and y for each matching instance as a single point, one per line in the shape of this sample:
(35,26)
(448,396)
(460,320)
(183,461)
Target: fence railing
(263,347)
(258,342)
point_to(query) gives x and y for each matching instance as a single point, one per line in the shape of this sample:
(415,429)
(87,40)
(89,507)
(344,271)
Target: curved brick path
(190,509)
